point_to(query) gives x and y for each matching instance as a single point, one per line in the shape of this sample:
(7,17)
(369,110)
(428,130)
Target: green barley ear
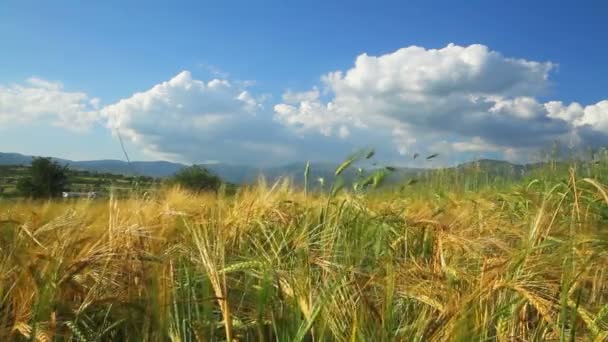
(345,164)
(78,333)
(370,154)
(353,158)
(378,178)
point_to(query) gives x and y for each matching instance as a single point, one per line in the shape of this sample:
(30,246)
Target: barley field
(519,262)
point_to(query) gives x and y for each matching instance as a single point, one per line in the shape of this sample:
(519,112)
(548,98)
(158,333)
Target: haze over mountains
(242,174)
(145,168)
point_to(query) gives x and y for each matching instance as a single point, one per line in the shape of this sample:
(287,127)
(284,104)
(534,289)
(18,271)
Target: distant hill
(295,171)
(498,167)
(242,174)
(151,169)
(14,159)
(239,174)
(232,173)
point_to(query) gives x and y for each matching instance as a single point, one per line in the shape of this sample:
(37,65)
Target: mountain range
(243,174)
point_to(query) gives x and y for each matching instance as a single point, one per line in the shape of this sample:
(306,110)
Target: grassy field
(79,181)
(451,257)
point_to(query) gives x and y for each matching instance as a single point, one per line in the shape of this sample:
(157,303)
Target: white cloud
(458,101)
(475,145)
(418,72)
(570,113)
(343,132)
(297,97)
(403,140)
(469,98)
(304,112)
(595,116)
(193,120)
(308,115)
(43,101)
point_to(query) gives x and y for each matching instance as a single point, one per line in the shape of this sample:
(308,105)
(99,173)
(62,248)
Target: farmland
(314,171)
(452,256)
(80,181)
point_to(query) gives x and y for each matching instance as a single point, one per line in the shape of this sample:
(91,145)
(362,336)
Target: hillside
(78,180)
(238,174)
(243,174)
(150,169)
(498,167)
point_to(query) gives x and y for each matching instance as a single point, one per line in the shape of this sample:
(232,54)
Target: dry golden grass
(274,263)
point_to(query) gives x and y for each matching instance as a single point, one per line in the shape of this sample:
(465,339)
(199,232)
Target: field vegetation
(455,255)
(77,181)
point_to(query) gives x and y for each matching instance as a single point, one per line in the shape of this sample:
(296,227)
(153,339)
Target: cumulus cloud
(595,116)
(310,114)
(474,145)
(193,120)
(457,100)
(39,100)
(478,98)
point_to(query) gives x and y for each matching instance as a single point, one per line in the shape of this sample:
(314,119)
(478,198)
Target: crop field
(80,181)
(428,261)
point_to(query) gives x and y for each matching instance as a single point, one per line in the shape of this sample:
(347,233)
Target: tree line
(48,179)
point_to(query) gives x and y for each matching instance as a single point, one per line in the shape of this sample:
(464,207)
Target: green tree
(197,178)
(46,179)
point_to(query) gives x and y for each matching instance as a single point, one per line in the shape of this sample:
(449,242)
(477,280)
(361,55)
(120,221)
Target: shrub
(196,178)
(46,179)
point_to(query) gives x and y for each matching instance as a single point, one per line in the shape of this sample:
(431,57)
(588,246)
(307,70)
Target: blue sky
(111,50)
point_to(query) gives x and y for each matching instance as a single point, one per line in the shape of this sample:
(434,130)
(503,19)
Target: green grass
(79,181)
(454,256)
